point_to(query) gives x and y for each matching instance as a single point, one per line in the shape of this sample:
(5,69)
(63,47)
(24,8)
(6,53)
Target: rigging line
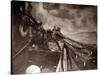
(73,48)
(79,54)
(69,63)
(59,64)
(65,62)
(77,61)
(68,59)
(22,49)
(74,60)
(62,58)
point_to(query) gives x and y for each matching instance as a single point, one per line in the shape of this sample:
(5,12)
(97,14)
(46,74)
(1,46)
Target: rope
(22,49)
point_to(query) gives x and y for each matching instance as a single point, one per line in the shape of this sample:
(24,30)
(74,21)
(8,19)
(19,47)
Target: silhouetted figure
(57,33)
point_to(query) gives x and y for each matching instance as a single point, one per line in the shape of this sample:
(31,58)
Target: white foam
(32,69)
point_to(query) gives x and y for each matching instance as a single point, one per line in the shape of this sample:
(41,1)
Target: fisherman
(57,33)
(54,32)
(29,8)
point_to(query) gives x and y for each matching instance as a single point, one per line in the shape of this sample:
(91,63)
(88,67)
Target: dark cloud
(72,19)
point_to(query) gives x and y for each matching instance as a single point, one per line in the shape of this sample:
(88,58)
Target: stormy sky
(78,22)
